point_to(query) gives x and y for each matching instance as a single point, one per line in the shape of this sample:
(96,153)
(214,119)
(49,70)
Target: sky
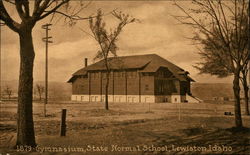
(156,33)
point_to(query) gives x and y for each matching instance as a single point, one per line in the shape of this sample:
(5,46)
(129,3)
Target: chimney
(86,62)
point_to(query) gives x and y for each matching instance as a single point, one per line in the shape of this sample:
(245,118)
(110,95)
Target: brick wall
(119,83)
(80,86)
(147,84)
(104,81)
(132,83)
(95,83)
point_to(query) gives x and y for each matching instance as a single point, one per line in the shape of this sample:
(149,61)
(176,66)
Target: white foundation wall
(110,98)
(148,98)
(95,98)
(73,97)
(129,98)
(183,98)
(84,98)
(114,98)
(133,98)
(120,98)
(163,99)
(175,98)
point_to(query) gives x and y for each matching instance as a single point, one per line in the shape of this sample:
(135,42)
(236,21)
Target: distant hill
(207,91)
(204,91)
(57,90)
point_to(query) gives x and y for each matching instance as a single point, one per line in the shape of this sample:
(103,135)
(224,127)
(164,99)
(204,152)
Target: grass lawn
(130,128)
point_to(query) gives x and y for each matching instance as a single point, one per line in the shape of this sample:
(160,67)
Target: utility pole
(1,24)
(0,63)
(47,41)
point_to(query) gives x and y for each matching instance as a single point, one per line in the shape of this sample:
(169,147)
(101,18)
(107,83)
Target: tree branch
(36,7)
(19,9)
(10,1)
(39,9)
(4,16)
(72,17)
(192,18)
(26,8)
(52,10)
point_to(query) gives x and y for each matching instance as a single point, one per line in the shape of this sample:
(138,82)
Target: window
(82,87)
(92,98)
(123,74)
(146,87)
(146,74)
(134,74)
(95,75)
(131,74)
(104,75)
(159,88)
(118,74)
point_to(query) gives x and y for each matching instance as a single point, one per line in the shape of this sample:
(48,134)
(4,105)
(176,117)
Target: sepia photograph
(124,77)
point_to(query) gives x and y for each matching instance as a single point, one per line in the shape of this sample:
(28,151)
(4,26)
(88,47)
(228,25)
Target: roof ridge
(134,55)
(144,62)
(170,62)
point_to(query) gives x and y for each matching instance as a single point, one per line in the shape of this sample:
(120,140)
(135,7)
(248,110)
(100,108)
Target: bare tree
(40,10)
(40,90)
(214,66)
(244,82)
(221,24)
(8,91)
(107,41)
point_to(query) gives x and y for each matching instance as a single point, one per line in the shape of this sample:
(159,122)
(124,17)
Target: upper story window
(95,75)
(131,74)
(163,73)
(104,75)
(147,74)
(118,74)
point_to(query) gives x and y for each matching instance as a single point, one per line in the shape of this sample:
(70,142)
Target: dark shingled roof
(145,63)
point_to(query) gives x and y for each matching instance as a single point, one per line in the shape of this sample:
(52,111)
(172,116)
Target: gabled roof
(145,63)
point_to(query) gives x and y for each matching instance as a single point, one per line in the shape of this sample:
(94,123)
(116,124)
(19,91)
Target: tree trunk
(236,88)
(107,91)
(245,86)
(25,125)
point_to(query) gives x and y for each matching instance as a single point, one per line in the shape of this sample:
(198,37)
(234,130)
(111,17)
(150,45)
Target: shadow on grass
(236,130)
(194,131)
(236,138)
(7,127)
(103,112)
(9,116)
